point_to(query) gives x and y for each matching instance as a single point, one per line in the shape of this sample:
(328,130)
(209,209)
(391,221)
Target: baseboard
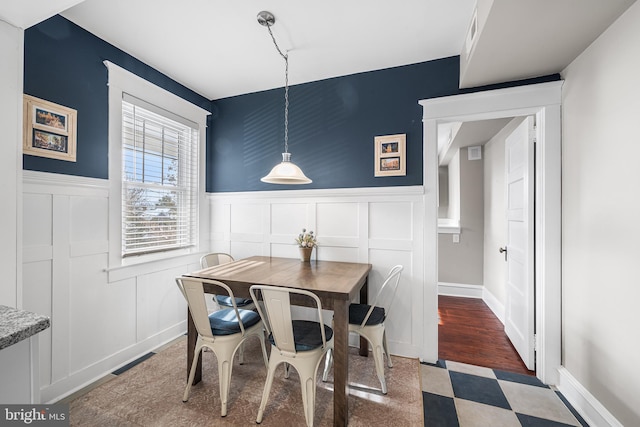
(593,412)
(494,304)
(464,290)
(80,379)
(460,290)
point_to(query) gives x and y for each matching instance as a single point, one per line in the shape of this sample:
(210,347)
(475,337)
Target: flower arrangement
(306,239)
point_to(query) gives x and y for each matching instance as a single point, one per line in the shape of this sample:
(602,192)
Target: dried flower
(306,239)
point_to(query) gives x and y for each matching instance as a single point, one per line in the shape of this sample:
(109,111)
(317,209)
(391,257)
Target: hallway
(469,332)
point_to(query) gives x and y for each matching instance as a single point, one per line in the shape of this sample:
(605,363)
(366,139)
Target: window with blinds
(159,179)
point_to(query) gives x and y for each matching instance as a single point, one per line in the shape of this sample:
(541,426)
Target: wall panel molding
(65,249)
(381,226)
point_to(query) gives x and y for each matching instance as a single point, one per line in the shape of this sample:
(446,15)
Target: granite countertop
(17,325)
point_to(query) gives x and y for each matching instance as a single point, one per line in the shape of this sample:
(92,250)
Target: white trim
(590,408)
(54,183)
(494,304)
(461,290)
(449,226)
(542,100)
(364,193)
(140,88)
(122,81)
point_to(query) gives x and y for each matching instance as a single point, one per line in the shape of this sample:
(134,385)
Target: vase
(305,254)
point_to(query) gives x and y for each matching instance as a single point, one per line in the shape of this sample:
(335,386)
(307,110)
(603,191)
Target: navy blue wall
(63,64)
(332,125)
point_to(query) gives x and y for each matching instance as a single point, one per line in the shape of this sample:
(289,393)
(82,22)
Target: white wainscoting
(381,226)
(101,320)
(97,325)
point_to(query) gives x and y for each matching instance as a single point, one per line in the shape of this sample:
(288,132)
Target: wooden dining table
(335,283)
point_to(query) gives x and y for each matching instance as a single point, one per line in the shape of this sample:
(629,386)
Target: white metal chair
(368,321)
(222,331)
(297,343)
(217,258)
(224,301)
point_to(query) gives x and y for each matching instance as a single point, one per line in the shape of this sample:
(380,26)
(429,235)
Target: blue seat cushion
(357,312)
(307,335)
(225,322)
(225,301)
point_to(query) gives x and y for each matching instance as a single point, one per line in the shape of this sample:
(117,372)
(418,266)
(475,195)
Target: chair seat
(225,300)
(307,335)
(357,312)
(225,322)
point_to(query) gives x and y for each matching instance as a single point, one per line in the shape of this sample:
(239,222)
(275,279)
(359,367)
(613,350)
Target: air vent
(474,153)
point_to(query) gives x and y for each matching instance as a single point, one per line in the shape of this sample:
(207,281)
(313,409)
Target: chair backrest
(388,289)
(215,258)
(274,306)
(193,291)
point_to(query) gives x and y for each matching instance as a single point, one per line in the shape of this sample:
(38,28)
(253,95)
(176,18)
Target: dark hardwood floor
(469,332)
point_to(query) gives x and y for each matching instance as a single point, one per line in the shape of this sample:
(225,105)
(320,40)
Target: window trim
(121,81)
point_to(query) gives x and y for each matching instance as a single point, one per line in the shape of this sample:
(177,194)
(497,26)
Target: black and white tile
(461,395)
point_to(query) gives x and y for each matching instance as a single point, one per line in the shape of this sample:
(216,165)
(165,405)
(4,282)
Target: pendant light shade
(284,172)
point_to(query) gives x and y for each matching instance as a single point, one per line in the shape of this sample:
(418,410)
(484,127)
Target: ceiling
(455,135)
(531,38)
(217,48)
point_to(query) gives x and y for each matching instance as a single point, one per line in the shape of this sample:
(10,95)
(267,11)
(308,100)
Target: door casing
(544,101)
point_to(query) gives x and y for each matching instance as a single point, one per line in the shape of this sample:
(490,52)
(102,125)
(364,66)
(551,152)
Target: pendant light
(285,172)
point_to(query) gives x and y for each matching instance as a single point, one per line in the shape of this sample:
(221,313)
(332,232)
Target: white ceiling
(531,38)
(25,13)
(217,48)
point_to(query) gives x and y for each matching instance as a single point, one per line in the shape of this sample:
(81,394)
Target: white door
(519,251)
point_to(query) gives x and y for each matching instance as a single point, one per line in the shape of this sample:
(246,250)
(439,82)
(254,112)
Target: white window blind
(159,179)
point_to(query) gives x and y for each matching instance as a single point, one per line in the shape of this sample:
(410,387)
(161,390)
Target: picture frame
(49,129)
(390,155)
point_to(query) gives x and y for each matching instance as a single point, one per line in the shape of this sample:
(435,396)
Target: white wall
(99,319)
(380,226)
(600,211)
(461,262)
(11,75)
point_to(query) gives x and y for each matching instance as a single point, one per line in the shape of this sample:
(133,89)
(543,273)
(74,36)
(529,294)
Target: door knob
(503,251)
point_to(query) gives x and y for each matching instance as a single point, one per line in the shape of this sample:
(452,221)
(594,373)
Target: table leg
(340,362)
(364,299)
(192,336)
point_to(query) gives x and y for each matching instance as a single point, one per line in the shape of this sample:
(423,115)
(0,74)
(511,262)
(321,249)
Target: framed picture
(49,129)
(390,153)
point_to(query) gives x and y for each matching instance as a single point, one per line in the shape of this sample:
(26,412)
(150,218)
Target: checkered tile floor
(456,394)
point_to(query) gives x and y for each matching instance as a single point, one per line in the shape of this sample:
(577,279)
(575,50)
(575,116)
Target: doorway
(476,273)
(542,101)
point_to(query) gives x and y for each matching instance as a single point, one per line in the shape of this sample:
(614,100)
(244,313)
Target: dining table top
(331,279)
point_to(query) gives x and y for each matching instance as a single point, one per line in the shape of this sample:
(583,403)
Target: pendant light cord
(286,90)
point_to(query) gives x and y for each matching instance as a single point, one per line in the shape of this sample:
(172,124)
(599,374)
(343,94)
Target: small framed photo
(49,129)
(390,155)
